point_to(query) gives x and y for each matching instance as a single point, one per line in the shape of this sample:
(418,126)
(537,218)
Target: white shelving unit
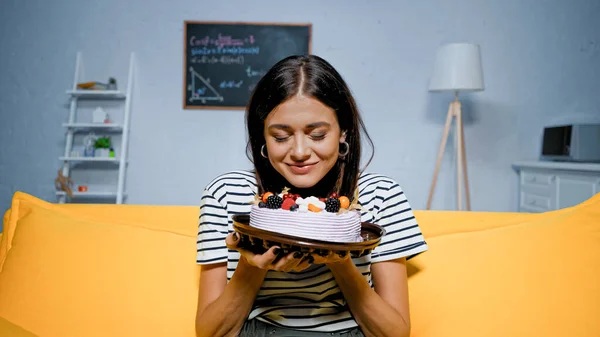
(73,126)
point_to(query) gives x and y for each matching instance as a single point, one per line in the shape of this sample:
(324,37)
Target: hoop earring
(347,150)
(262,149)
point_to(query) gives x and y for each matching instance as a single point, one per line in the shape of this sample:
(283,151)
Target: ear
(343,137)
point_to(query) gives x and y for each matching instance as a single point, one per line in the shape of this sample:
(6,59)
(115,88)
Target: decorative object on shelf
(82,188)
(111,85)
(88,144)
(63,183)
(111,153)
(99,115)
(457,69)
(102,147)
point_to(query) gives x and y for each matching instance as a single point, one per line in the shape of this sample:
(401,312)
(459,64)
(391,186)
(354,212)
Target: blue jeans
(256,328)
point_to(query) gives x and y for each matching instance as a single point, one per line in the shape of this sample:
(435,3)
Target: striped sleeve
(403,236)
(212,230)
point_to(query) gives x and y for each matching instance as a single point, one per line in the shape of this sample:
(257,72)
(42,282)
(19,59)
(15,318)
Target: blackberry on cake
(332,205)
(274,201)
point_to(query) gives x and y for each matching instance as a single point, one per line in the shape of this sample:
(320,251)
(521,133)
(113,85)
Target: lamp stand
(454,112)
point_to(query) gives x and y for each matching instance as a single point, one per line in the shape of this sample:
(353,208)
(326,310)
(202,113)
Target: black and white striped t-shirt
(308,300)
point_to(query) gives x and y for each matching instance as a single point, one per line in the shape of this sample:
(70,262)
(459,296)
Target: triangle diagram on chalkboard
(201,90)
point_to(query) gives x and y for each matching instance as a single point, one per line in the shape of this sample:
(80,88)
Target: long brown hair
(320,81)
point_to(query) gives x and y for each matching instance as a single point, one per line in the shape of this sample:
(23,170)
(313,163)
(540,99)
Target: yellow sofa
(129,270)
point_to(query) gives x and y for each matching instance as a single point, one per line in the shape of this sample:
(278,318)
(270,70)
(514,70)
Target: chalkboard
(224,60)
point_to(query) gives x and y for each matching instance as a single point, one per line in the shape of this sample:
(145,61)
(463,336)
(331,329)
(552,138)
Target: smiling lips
(301,168)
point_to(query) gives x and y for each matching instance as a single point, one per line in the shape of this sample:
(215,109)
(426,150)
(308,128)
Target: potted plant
(112,84)
(102,146)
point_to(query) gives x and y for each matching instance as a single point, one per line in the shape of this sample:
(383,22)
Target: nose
(300,149)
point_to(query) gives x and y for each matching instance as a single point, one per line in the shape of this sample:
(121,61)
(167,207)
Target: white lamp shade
(457,68)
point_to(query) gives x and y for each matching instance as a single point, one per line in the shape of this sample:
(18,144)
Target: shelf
(77,194)
(98,159)
(93,126)
(99,94)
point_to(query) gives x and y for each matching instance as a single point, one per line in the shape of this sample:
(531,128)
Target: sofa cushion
(10,329)
(70,272)
(171,218)
(538,276)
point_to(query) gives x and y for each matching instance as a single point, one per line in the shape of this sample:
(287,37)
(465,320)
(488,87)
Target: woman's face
(303,137)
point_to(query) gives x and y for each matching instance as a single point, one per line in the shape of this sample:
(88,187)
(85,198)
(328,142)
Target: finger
(332,258)
(322,257)
(283,262)
(290,261)
(304,263)
(271,254)
(266,259)
(302,260)
(232,240)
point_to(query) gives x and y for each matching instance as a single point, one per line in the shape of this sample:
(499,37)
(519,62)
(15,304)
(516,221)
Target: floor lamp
(457,69)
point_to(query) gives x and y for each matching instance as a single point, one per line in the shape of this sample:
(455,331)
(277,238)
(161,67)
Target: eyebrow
(308,126)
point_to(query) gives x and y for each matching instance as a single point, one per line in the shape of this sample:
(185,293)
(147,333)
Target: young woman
(304,133)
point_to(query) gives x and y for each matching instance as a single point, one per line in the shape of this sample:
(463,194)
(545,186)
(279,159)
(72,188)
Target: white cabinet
(546,186)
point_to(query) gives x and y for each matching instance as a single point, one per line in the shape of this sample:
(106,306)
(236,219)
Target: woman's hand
(294,261)
(332,257)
